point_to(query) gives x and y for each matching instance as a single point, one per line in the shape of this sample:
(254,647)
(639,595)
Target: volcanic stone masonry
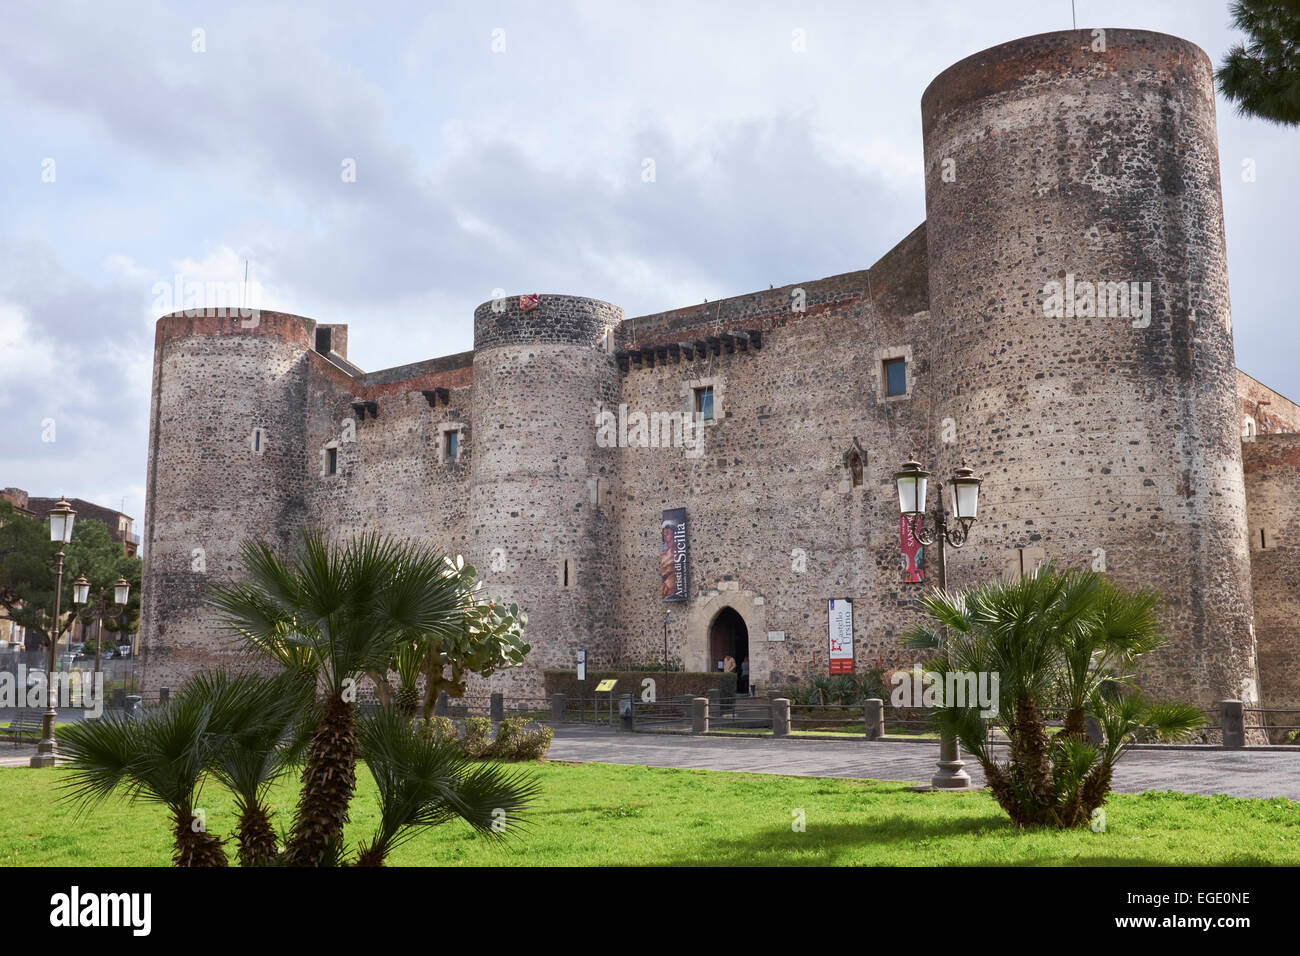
(1063,319)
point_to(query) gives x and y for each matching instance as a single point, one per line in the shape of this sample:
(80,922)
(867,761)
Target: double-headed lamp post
(913,482)
(61,533)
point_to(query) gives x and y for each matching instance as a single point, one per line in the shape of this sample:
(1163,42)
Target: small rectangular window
(896,376)
(331,461)
(704,403)
(451,446)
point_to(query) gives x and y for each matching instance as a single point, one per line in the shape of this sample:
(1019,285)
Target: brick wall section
(1272,464)
(1270,411)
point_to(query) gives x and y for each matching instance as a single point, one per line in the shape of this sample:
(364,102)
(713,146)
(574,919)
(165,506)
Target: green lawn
(597,814)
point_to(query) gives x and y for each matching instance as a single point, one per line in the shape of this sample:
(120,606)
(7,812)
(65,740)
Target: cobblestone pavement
(1234,772)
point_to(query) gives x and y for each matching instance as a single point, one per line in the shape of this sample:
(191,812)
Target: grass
(598,814)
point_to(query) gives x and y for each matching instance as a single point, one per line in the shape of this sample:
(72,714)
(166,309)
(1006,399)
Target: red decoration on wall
(913,553)
(529,302)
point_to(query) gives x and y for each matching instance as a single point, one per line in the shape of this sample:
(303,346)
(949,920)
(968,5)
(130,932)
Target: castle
(1060,323)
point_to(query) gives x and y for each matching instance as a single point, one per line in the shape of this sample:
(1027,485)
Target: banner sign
(840,617)
(913,553)
(672,556)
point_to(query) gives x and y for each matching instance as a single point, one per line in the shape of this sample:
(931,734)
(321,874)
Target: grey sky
(519,169)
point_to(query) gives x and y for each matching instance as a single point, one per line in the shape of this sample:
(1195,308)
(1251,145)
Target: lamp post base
(45,755)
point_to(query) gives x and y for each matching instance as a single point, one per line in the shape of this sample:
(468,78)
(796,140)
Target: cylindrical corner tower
(1079,300)
(540,530)
(226,462)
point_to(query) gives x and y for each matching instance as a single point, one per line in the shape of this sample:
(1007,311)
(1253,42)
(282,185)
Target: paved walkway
(1234,772)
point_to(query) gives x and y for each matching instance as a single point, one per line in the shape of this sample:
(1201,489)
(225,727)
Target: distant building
(119,525)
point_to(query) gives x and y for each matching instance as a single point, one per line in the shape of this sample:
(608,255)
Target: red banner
(913,553)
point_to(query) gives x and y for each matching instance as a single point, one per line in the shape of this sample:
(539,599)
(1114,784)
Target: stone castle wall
(1098,434)
(1102,442)
(1272,468)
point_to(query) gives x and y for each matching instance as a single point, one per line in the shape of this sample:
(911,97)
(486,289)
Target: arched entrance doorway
(729,637)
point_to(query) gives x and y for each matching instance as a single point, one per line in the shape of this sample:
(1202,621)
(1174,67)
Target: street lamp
(913,484)
(61,518)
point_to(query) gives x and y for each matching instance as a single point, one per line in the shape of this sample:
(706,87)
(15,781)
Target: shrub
(515,741)
(476,742)
(440,730)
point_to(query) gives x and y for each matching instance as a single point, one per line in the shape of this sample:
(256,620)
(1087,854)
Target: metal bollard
(443,705)
(497,707)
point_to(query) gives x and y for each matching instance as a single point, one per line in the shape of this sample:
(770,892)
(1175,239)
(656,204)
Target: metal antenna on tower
(1073,21)
(244,292)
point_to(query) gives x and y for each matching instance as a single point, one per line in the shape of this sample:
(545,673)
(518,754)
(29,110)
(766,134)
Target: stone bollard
(164,694)
(557,707)
(497,707)
(780,717)
(874,713)
(119,698)
(443,706)
(700,715)
(1232,719)
(714,698)
(1096,736)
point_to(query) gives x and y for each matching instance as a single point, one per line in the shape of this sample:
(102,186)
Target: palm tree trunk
(328,781)
(1074,725)
(1031,763)
(195,847)
(372,855)
(257,843)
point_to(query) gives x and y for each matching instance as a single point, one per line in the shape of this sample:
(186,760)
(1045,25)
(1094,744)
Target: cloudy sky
(496,145)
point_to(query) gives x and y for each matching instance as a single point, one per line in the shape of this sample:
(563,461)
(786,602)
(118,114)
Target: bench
(28,722)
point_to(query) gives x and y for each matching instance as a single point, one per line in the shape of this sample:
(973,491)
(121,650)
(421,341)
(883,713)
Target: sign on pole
(673,556)
(840,627)
(582,663)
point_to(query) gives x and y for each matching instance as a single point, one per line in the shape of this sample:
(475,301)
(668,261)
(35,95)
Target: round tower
(226,462)
(540,530)
(1082,334)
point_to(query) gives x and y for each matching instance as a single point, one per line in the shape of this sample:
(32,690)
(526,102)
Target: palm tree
(337,614)
(162,757)
(424,782)
(1052,638)
(267,726)
(1263,76)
